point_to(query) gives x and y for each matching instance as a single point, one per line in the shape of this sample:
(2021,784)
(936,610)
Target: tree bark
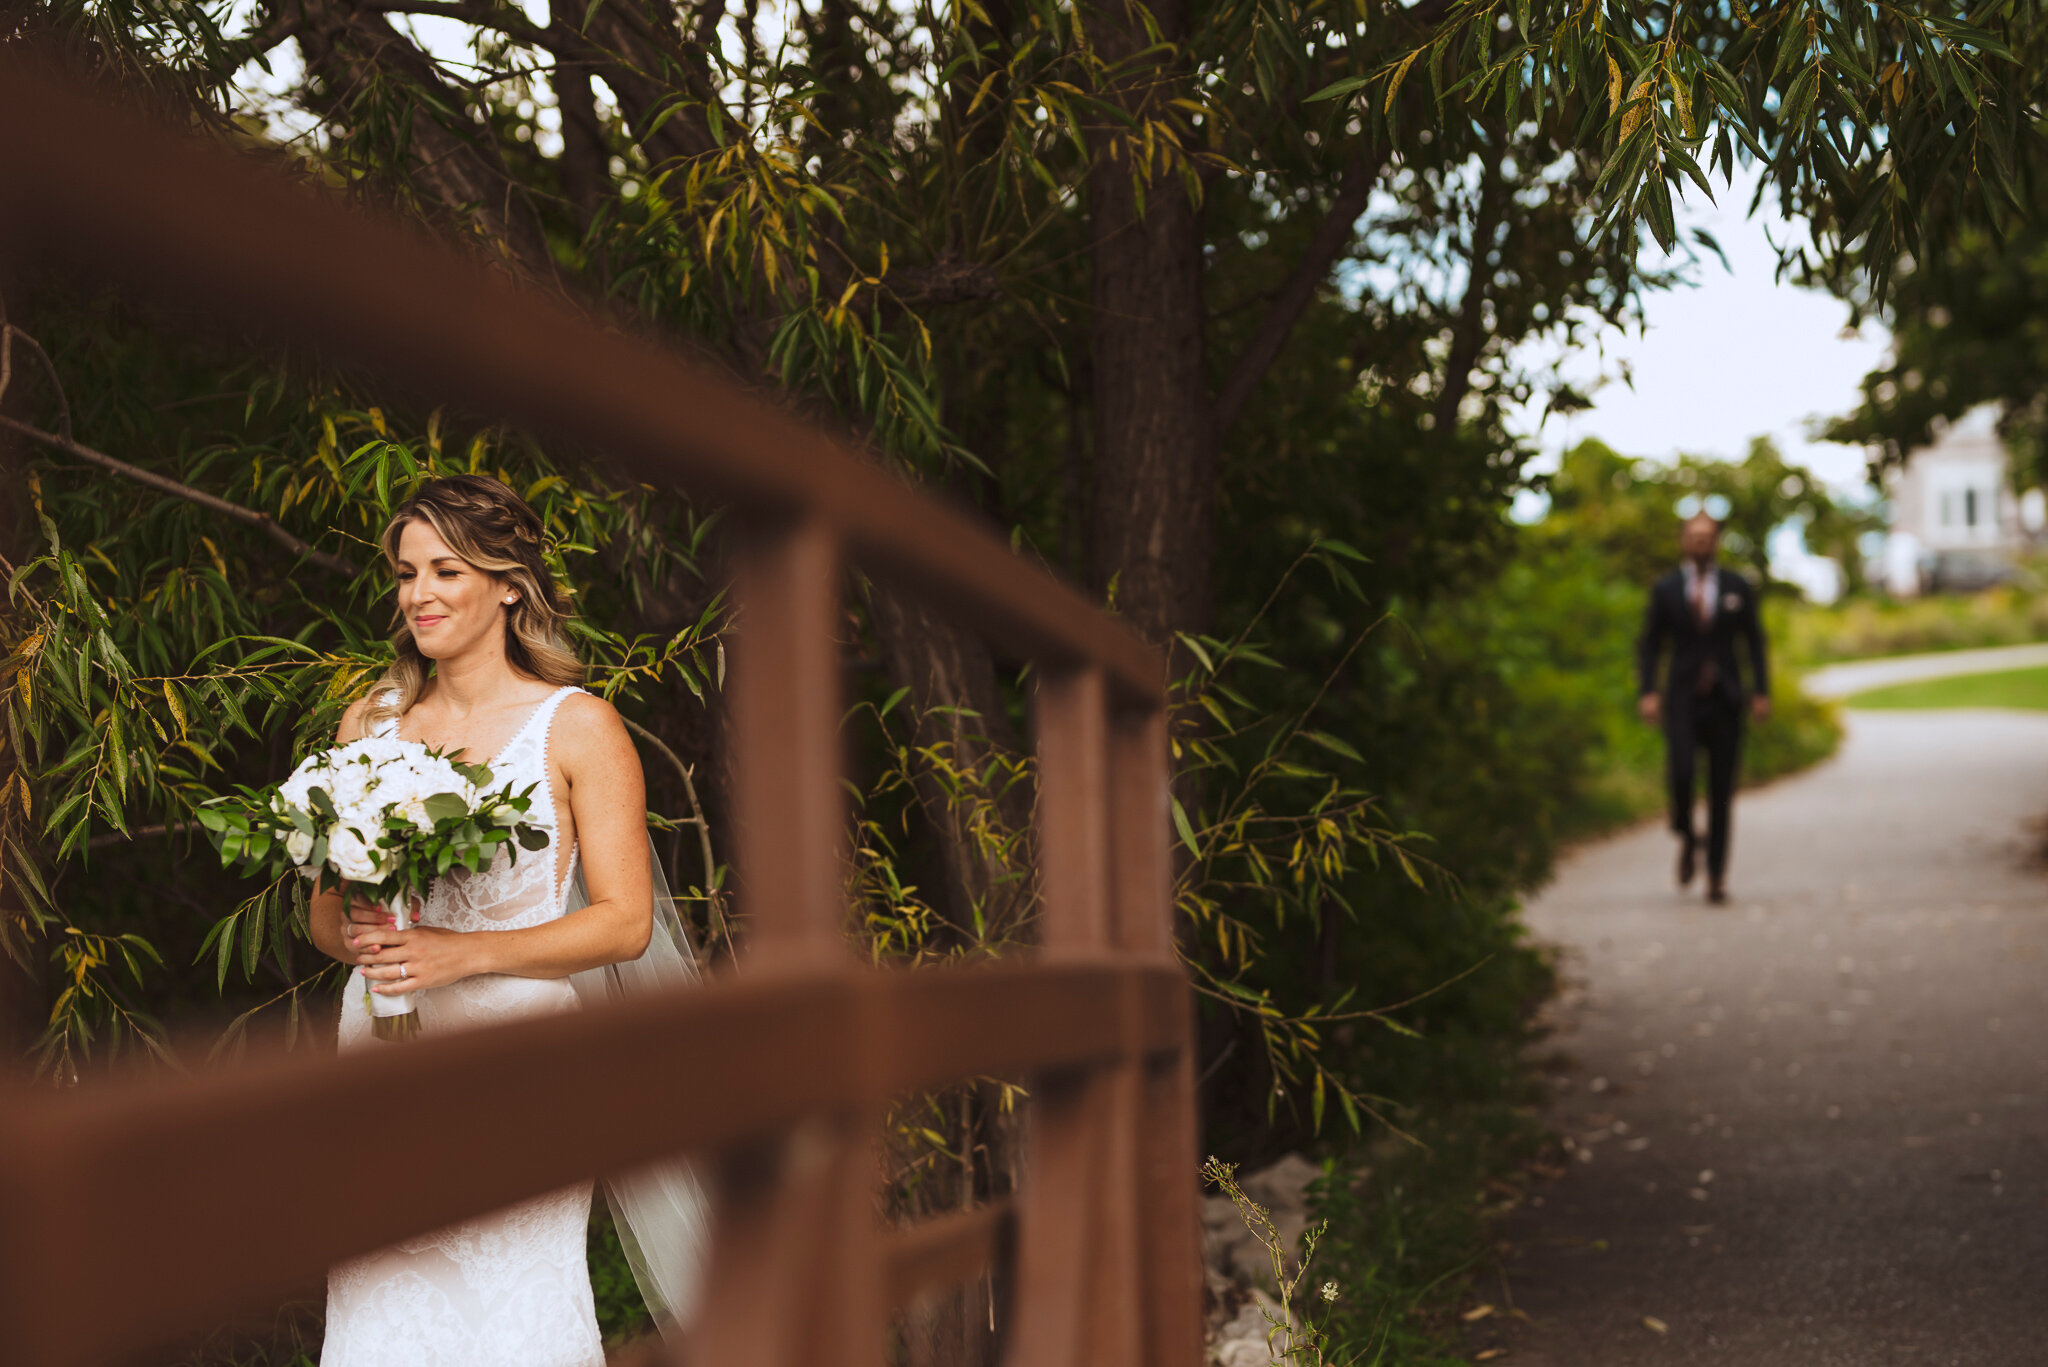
(958,710)
(1152,532)
(585,162)
(640,53)
(350,51)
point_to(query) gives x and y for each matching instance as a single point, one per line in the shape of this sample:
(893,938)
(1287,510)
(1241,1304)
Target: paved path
(1857,676)
(1812,1125)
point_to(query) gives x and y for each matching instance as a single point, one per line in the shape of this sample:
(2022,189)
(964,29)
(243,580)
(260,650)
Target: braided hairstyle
(498,532)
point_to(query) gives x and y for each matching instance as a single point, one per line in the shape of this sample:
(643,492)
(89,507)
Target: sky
(1735,355)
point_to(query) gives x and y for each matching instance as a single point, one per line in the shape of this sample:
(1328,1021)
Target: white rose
(362,812)
(353,859)
(298,845)
(414,809)
(311,774)
(347,785)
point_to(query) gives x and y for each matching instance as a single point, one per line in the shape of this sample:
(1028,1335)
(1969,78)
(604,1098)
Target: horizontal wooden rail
(239,245)
(542,1103)
(947,1249)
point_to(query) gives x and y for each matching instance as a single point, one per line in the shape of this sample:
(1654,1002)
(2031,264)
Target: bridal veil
(660,1211)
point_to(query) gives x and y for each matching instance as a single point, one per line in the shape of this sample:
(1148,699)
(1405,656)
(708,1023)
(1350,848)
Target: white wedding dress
(510,1289)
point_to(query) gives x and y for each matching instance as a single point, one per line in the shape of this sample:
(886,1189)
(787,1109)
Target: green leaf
(1332,743)
(1336,88)
(1187,831)
(445,807)
(1195,648)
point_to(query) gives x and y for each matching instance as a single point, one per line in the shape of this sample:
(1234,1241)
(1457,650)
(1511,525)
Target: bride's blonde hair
(498,532)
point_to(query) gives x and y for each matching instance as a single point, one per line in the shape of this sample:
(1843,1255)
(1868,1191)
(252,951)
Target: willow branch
(111,838)
(712,896)
(262,522)
(504,19)
(1332,236)
(1469,336)
(9,335)
(1354,192)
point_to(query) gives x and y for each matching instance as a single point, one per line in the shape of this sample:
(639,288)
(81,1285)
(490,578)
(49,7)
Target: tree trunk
(352,53)
(1151,534)
(959,715)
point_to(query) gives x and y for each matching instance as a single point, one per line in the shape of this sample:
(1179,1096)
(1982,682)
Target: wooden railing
(134,1212)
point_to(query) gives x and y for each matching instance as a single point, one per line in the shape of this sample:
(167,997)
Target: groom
(1701,610)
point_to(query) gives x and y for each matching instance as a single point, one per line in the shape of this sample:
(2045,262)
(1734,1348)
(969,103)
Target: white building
(1956,523)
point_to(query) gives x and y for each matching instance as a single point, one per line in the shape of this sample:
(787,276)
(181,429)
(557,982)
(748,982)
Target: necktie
(1702,613)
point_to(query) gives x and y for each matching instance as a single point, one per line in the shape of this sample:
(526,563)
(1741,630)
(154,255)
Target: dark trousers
(1714,726)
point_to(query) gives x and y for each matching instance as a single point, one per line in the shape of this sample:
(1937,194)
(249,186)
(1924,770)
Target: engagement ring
(401,971)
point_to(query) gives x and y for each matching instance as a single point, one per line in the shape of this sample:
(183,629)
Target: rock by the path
(1243,1311)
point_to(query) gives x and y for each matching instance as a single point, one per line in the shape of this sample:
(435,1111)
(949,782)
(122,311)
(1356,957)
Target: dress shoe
(1685,863)
(1716,893)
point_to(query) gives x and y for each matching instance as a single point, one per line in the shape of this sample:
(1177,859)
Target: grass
(2026,689)
(1412,1231)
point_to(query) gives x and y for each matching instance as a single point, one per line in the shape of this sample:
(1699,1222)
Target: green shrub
(1869,626)
(621,1314)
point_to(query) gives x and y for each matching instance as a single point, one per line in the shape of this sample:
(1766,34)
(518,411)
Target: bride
(482,669)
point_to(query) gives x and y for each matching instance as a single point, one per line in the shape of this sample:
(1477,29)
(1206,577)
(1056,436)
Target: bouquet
(388,816)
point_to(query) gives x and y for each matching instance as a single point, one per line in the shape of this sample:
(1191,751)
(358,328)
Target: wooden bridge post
(1168,1126)
(795,1266)
(1078,1236)
(790,823)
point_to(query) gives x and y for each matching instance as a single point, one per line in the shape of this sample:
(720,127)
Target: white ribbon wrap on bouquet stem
(402,1003)
(660,1211)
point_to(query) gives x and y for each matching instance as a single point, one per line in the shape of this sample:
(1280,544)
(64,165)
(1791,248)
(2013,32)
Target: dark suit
(1704,700)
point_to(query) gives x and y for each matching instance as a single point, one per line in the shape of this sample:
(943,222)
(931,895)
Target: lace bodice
(521,887)
(510,1289)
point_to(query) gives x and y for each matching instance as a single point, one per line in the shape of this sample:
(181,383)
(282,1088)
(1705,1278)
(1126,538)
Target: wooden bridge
(132,1213)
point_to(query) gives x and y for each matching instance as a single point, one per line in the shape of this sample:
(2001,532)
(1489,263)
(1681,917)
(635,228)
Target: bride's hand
(362,916)
(430,956)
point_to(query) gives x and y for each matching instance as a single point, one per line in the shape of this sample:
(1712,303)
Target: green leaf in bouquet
(323,805)
(444,861)
(479,775)
(212,818)
(532,838)
(446,807)
(259,844)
